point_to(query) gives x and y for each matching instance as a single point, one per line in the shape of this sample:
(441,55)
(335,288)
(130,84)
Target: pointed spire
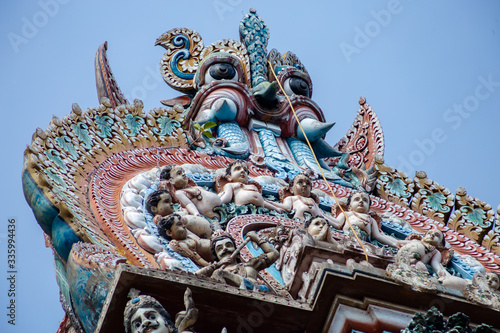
(254,33)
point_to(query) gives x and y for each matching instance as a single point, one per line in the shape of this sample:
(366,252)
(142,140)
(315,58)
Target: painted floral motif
(436,202)
(104,126)
(476,216)
(397,187)
(133,124)
(167,126)
(82,132)
(65,143)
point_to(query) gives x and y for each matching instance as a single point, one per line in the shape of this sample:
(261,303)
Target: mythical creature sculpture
(241,88)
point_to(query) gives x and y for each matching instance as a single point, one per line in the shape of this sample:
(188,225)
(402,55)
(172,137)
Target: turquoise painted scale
(232,132)
(301,152)
(274,158)
(268,140)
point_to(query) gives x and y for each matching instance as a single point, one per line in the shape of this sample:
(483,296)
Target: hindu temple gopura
(225,210)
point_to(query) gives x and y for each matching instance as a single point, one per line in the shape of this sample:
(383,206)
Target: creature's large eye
(297,86)
(221,71)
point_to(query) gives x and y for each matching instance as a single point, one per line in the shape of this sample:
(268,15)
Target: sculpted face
(224,248)
(148,320)
(360,203)
(302,186)
(178,230)
(239,173)
(316,226)
(178,177)
(164,207)
(493,281)
(433,237)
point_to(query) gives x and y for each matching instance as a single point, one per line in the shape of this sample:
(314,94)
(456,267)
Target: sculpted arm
(335,222)
(277,206)
(287,204)
(269,250)
(344,226)
(187,203)
(378,235)
(436,264)
(227,194)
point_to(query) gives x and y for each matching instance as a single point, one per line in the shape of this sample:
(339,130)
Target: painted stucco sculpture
(103,182)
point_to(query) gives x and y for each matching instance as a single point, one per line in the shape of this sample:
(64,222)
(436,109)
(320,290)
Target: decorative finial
(461,191)
(255,35)
(420,174)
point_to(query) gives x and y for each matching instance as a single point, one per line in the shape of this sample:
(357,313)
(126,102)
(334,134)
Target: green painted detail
(82,133)
(436,201)
(477,216)
(61,278)
(397,187)
(104,126)
(133,124)
(65,143)
(230,210)
(167,126)
(53,175)
(53,155)
(63,237)
(44,211)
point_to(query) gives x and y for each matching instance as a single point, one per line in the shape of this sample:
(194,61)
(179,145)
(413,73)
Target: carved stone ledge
(219,305)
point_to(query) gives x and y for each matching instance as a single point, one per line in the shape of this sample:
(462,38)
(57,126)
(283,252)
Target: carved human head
(359,202)
(315,225)
(160,203)
(301,185)
(145,314)
(174,174)
(434,237)
(222,244)
(237,171)
(172,227)
(493,280)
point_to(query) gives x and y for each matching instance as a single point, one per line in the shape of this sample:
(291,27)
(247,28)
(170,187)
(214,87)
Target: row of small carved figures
(190,234)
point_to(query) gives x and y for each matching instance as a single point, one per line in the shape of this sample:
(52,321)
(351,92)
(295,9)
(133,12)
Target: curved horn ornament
(180,62)
(313,128)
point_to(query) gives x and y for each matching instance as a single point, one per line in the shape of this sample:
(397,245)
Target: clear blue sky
(425,67)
